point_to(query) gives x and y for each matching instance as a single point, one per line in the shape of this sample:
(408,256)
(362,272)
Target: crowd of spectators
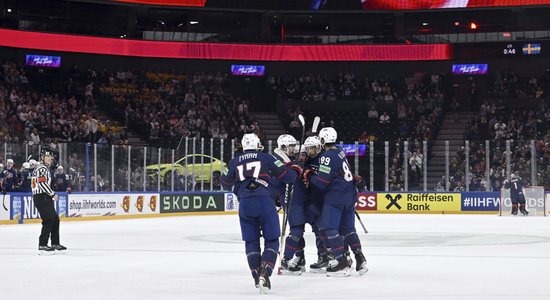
(395,109)
(30,115)
(175,105)
(498,121)
(508,84)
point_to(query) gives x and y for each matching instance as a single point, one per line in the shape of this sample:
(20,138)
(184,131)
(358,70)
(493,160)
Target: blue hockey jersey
(251,173)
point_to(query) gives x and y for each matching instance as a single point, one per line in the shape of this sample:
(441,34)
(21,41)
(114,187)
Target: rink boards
(19,207)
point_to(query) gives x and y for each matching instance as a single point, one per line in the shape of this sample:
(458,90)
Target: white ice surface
(202,257)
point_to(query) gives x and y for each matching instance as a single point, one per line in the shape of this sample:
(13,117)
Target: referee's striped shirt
(41,180)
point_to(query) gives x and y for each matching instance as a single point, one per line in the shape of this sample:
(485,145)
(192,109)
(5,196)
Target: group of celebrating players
(315,187)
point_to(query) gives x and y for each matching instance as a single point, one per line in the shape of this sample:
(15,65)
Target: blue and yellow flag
(531,49)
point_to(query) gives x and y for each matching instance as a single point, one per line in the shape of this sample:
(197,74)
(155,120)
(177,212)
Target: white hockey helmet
(251,141)
(33,163)
(26,165)
(286,142)
(513,176)
(302,149)
(312,142)
(328,135)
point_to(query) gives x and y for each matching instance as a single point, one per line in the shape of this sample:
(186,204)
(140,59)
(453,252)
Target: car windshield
(194,159)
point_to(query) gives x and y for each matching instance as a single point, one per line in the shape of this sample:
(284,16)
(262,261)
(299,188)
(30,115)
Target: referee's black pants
(50,220)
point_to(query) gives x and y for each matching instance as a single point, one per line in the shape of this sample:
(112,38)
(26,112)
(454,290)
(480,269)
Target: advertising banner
(366,201)
(5,209)
(419,202)
(231,202)
(193,202)
(480,201)
(113,204)
(22,206)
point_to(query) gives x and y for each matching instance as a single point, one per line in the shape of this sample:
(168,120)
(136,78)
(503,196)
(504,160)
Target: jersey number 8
(347,173)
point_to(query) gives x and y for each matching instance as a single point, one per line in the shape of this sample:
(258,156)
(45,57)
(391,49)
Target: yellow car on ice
(200,165)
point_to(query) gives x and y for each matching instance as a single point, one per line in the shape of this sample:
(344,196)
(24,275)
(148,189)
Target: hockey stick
(288,197)
(179,144)
(316,122)
(3,201)
(361,222)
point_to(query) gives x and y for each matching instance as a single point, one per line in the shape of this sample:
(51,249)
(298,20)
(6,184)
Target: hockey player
(60,180)
(286,143)
(250,173)
(293,261)
(312,146)
(516,185)
(25,176)
(338,214)
(9,174)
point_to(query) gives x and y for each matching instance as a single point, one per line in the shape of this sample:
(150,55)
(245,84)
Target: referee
(43,197)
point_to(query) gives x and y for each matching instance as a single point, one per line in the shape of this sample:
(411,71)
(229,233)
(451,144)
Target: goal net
(535,201)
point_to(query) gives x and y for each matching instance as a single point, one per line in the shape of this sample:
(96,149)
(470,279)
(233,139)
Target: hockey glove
(307,176)
(298,169)
(360,183)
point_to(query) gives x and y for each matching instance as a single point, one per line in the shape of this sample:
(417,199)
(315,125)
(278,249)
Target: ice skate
(264,284)
(294,266)
(514,209)
(46,250)
(320,266)
(59,249)
(338,268)
(350,261)
(523,210)
(360,263)
(256,276)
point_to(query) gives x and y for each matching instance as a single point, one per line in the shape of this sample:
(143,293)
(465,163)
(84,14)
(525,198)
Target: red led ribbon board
(219,51)
(167,2)
(441,4)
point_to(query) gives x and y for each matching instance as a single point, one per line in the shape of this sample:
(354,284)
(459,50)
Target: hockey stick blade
(302,120)
(4,202)
(315,126)
(282,155)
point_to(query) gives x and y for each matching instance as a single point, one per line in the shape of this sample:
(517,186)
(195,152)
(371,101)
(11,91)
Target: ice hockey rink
(202,257)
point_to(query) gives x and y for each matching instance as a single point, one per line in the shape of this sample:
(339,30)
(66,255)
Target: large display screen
(349,149)
(247,70)
(439,4)
(167,2)
(470,69)
(43,61)
(343,4)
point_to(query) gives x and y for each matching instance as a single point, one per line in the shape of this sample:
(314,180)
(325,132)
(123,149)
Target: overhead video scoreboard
(511,49)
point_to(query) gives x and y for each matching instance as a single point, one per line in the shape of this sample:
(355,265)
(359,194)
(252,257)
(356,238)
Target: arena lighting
(474,26)
(9,10)
(456,23)
(193,22)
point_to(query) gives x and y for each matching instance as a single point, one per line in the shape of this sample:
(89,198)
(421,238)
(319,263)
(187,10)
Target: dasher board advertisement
(93,205)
